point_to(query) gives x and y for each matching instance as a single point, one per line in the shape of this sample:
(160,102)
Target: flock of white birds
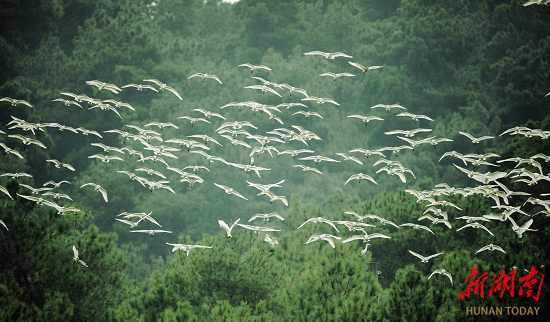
(491,185)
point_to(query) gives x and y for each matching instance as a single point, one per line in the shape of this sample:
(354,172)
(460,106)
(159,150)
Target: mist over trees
(471,66)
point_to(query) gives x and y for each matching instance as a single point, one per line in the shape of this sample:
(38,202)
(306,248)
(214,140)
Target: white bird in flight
(208,114)
(151,232)
(186,248)
(540,3)
(383,221)
(424,259)
(14,102)
(193,120)
(151,172)
(330,56)
(318,158)
(140,87)
(79,98)
(317,220)
(444,272)
(10,150)
(161,125)
(491,247)
(473,139)
(101,86)
(415,117)
(39,201)
(254,67)
(35,191)
(55,195)
(366,119)
(347,157)
(226,227)
(16,175)
(247,168)
(163,86)
(86,132)
(266,217)
(294,153)
(230,191)
(359,217)
(55,184)
(234,141)
(365,238)
(336,75)
(408,134)
(257,229)
(4,190)
(304,168)
(67,102)
(476,225)
(205,76)
(273,197)
(196,168)
(264,88)
(272,241)
(119,104)
(389,107)
(75,257)
(141,216)
(363,68)
(326,237)
(520,230)
(265,187)
(27,141)
(61,164)
(128,222)
(209,158)
(368,153)
(418,227)
(293,89)
(308,114)
(359,177)
(353,226)
(105,158)
(436,220)
(97,188)
(237,125)
(320,100)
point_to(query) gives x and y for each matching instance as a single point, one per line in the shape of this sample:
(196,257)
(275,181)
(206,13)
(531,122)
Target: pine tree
(39,280)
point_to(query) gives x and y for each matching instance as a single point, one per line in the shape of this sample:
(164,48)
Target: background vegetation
(479,67)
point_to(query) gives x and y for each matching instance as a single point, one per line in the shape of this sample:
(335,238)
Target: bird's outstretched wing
(417,255)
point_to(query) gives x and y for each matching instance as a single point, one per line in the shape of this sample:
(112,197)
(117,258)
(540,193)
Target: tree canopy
(475,67)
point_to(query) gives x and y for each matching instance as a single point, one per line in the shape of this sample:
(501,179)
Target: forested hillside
(477,67)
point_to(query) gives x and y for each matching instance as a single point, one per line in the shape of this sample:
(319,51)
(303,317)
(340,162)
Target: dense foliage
(38,280)
(478,67)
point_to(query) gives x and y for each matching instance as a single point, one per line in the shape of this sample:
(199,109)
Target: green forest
(125,127)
